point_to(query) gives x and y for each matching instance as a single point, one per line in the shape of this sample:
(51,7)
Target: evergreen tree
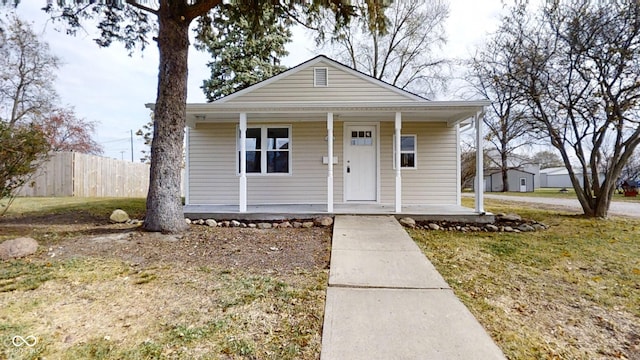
(243,51)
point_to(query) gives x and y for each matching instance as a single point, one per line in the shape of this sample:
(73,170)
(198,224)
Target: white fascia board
(273,106)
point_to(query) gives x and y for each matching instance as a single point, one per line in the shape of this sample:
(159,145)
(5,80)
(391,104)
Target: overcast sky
(109,87)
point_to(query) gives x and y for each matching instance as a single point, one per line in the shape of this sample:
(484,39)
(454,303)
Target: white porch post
(330,162)
(398,128)
(479,188)
(243,162)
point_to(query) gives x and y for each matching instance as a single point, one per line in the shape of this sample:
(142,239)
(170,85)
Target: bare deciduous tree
(578,67)
(405,53)
(505,121)
(27,74)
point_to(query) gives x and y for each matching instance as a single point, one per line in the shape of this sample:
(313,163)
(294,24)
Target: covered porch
(453,114)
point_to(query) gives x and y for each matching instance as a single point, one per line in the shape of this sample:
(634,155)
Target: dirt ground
(271,250)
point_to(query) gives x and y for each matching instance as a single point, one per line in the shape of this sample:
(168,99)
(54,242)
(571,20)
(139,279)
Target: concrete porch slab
(365,222)
(306,211)
(371,324)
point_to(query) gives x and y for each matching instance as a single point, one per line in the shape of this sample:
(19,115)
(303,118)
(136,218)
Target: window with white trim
(408,152)
(268,150)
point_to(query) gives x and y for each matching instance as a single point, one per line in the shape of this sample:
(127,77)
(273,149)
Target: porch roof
(451,112)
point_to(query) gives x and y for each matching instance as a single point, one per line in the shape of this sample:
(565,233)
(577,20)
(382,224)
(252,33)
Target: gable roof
(310,63)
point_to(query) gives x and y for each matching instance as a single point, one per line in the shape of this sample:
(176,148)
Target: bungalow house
(323,138)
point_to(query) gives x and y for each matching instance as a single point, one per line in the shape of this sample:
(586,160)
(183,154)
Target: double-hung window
(408,152)
(268,150)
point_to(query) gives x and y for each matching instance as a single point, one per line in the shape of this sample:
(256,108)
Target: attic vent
(320,77)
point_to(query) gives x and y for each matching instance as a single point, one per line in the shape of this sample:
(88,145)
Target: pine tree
(243,51)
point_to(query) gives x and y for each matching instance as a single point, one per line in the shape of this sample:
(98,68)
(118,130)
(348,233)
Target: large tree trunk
(164,203)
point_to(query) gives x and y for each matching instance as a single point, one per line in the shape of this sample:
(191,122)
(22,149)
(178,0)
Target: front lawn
(570,292)
(97,290)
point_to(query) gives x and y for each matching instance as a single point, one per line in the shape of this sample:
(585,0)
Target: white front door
(523,184)
(360,163)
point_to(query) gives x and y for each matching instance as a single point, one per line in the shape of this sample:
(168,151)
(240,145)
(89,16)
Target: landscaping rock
(264,225)
(235,223)
(433,226)
(285,224)
(538,226)
(525,228)
(252,226)
(211,222)
(17,248)
(491,227)
(187,220)
(323,221)
(508,229)
(119,216)
(307,224)
(510,217)
(297,224)
(408,222)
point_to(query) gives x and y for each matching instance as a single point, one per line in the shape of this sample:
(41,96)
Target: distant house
(558,177)
(321,134)
(518,164)
(518,180)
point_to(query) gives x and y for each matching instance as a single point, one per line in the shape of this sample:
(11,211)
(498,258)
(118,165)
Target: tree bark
(504,169)
(164,203)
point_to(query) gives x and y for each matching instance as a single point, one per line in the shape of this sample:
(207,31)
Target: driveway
(625,208)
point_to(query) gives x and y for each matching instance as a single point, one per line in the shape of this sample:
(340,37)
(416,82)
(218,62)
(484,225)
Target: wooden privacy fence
(82,175)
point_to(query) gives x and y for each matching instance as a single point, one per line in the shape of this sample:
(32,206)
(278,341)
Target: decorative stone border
(322,221)
(504,223)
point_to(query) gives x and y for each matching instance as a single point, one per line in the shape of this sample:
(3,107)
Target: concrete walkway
(385,300)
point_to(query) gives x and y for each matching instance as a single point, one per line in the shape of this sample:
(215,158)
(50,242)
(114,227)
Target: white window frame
(315,78)
(263,150)
(414,152)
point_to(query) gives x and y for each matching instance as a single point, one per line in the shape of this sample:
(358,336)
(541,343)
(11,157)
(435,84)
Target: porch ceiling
(451,112)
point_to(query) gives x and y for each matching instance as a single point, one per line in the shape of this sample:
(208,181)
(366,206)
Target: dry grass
(97,309)
(101,291)
(571,292)
(94,206)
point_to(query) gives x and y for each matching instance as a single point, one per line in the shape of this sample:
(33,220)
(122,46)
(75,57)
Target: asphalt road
(617,207)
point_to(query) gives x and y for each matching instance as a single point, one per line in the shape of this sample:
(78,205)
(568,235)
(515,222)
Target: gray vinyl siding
(299,86)
(213,169)
(434,179)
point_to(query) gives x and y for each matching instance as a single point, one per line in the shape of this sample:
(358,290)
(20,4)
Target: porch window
(407,152)
(268,150)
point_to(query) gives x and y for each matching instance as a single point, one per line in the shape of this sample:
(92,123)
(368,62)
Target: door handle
(348,169)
